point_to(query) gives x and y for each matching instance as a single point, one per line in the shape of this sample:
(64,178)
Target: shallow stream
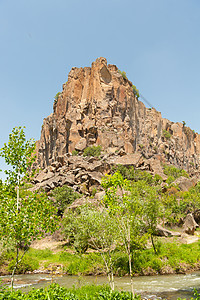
(165,286)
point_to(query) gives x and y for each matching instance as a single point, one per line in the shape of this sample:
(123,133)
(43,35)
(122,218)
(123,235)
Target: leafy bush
(57,95)
(132,174)
(64,196)
(170,179)
(54,292)
(174,172)
(166,134)
(92,151)
(24,266)
(136,91)
(75,153)
(123,74)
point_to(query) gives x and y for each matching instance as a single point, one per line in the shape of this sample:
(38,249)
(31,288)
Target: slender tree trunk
(130,258)
(108,265)
(154,248)
(18,192)
(17,257)
(16,264)
(14,269)
(111,273)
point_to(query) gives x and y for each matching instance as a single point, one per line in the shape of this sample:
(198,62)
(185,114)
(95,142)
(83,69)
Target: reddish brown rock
(98,107)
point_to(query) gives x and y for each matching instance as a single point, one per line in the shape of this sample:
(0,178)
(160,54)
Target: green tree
(95,228)
(32,215)
(19,155)
(152,209)
(64,196)
(124,204)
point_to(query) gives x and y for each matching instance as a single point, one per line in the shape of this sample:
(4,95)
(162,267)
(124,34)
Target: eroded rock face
(98,106)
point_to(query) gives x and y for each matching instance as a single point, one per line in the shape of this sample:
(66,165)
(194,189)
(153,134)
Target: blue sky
(156,42)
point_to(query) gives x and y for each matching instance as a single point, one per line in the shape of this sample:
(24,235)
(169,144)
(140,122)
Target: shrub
(166,134)
(25,265)
(94,191)
(63,197)
(92,151)
(175,172)
(135,175)
(57,95)
(170,179)
(75,153)
(123,74)
(136,91)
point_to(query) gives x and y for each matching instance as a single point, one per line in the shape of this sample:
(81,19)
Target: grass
(170,254)
(73,264)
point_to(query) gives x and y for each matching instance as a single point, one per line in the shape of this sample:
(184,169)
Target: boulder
(185,183)
(189,225)
(161,231)
(81,145)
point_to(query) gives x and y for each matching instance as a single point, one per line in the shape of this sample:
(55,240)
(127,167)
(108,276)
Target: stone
(161,231)
(186,183)
(42,176)
(190,224)
(81,145)
(126,160)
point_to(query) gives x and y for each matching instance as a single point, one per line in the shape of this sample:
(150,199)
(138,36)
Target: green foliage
(174,172)
(39,254)
(94,191)
(136,91)
(87,226)
(184,123)
(57,96)
(36,216)
(75,153)
(19,155)
(31,216)
(166,134)
(85,264)
(93,228)
(170,180)
(130,173)
(123,74)
(177,205)
(123,203)
(92,151)
(24,266)
(63,197)
(54,292)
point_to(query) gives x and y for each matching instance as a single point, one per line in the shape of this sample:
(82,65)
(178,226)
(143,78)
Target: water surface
(165,286)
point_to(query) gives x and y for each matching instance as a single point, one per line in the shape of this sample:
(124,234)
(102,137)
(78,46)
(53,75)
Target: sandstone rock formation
(98,107)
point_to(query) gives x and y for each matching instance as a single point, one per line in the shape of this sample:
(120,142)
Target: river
(165,286)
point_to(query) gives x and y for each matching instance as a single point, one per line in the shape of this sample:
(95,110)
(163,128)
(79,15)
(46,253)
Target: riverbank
(172,257)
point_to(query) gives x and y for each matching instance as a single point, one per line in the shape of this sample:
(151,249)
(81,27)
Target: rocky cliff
(98,106)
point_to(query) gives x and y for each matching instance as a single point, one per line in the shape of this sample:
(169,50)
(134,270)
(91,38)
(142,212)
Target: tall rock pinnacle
(98,107)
